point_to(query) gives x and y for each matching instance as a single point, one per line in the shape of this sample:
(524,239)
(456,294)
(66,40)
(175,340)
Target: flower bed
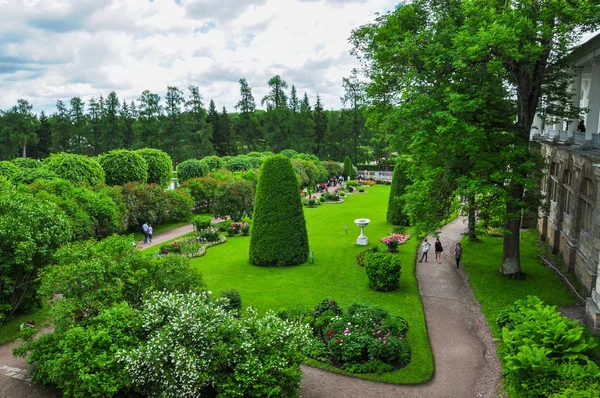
(190,247)
(394,240)
(365,339)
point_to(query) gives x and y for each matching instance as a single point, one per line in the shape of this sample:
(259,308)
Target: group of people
(438,251)
(147,230)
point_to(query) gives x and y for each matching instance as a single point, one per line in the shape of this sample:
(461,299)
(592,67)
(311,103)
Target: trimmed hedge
(349,170)
(76,168)
(123,166)
(160,166)
(191,168)
(214,162)
(400,181)
(27,163)
(383,271)
(279,236)
(29,175)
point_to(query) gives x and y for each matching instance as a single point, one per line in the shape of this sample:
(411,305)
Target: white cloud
(57,49)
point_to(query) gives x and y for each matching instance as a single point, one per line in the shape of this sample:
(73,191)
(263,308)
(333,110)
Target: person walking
(438,251)
(458,253)
(150,233)
(426,247)
(145,231)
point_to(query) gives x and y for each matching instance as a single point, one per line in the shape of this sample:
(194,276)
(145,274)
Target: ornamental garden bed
(192,246)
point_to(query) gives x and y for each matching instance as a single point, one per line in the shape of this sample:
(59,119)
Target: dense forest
(184,127)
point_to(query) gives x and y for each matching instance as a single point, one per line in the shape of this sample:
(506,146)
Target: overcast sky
(58,49)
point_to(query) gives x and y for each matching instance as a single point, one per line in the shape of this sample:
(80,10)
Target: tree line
(182,126)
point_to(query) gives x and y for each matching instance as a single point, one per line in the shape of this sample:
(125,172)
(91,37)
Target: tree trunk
(471,219)
(511,254)
(25,149)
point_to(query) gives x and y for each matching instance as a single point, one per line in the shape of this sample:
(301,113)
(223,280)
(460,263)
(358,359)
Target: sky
(59,49)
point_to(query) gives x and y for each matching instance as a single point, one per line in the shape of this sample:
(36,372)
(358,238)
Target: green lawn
(482,261)
(10,330)
(334,274)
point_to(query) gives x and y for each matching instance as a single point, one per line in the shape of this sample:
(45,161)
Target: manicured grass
(495,292)
(334,275)
(10,330)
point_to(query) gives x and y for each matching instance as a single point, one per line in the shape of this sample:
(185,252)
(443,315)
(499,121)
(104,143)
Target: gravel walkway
(466,364)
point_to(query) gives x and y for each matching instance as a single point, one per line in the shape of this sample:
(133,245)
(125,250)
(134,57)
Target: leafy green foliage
(327,305)
(334,169)
(360,257)
(234,298)
(180,205)
(201,222)
(243,163)
(92,213)
(27,163)
(29,175)
(191,168)
(123,166)
(543,351)
(288,153)
(195,347)
(153,204)
(83,361)
(234,199)
(76,168)
(396,214)
(279,235)
(383,271)
(203,190)
(30,230)
(214,162)
(160,166)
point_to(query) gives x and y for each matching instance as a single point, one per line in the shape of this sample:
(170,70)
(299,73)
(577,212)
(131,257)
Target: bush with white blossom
(194,347)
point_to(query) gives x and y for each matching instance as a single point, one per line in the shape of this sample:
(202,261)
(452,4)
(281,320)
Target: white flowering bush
(194,347)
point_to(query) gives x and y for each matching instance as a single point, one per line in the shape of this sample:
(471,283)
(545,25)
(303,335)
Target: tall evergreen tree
(294,104)
(276,131)
(18,130)
(112,135)
(321,124)
(79,124)
(61,128)
(174,141)
(354,98)
(222,135)
(42,148)
(246,128)
(148,127)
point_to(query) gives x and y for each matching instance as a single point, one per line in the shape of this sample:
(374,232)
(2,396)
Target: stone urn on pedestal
(362,239)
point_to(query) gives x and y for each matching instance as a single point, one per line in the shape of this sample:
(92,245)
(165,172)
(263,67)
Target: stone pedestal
(362,239)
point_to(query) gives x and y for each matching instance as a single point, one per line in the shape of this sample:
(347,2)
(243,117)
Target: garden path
(466,364)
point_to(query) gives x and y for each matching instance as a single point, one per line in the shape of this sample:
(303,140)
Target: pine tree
(246,128)
(321,124)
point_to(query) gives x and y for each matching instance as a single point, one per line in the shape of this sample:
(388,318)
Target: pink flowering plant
(240,227)
(394,240)
(365,339)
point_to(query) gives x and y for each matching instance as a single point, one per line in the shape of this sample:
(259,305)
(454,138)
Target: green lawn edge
(336,273)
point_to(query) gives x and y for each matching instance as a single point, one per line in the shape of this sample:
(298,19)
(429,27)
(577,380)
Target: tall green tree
(277,113)
(79,124)
(321,124)
(472,73)
(175,141)
(42,147)
(354,98)
(246,127)
(18,130)
(148,127)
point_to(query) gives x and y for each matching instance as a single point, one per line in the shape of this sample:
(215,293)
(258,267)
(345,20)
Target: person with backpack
(426,247)
(458,254)
(438,251)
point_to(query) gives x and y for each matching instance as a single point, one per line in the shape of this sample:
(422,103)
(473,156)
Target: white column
(575,99)
(594,105)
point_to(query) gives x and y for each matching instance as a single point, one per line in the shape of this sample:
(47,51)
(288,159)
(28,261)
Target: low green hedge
(383,271)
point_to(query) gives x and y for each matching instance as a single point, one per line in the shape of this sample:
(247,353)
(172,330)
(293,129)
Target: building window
(587,215)
(553,168)
(568,203)
(568,177)
(553,190)
(587,188)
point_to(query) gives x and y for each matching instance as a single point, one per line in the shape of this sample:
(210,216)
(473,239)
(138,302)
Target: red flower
(339,340)
(331,331)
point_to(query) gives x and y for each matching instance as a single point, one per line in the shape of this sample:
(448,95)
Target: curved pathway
(465,360)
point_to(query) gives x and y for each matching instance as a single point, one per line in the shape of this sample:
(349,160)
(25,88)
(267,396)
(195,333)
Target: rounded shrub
(235,300)
(76,168)
(160,166)
(123,166)
(333,168)
(289,153)
(191,168)
(383,271)
(395,213)
(201,222)
(214,162)
(279,236)
(349,170)
(242,163)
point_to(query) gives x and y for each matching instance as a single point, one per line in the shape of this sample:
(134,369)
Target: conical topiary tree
(278,235)
(400,181)
(349,168)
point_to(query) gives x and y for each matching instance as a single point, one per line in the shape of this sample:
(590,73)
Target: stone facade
(570,222)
